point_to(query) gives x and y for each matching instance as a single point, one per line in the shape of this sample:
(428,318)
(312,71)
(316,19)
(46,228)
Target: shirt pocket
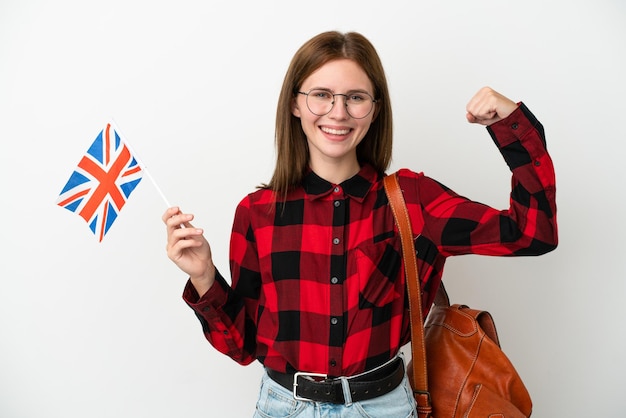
(376,267)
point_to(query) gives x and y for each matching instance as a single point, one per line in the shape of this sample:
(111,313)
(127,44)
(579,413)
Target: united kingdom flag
(100,185)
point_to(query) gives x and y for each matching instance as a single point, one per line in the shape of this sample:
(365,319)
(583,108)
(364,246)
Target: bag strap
(418,349)
(442,298)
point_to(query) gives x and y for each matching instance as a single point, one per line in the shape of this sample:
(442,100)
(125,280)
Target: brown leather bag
(458,368)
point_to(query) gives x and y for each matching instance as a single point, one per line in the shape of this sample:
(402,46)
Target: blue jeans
(277,402)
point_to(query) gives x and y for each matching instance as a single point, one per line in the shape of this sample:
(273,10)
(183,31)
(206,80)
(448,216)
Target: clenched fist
(488,106)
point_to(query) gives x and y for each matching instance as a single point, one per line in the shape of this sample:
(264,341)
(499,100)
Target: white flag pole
(141,164)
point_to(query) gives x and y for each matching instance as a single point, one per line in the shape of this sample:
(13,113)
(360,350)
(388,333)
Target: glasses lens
(359,104)
(320,101)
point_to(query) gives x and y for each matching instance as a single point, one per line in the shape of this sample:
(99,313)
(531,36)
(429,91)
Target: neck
(336,172)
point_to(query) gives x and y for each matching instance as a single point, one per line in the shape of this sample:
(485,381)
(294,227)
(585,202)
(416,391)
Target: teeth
(336,131)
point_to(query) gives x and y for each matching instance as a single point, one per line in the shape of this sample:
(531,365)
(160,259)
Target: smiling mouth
(335,131)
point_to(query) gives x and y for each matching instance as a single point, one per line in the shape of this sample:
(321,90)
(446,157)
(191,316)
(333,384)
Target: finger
(181,239)
(178,220)
(180,243)
(482,107)
(186,233)
(482,121)
(169,213)
(486,120)
(176,233)
(175,217)
(483,104)
(482,110)
(176,251)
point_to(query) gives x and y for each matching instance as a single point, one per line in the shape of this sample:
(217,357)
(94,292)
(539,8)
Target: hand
(488,106)
(188,249)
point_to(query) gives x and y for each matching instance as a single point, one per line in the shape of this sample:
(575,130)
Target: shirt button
(337,203)
(334,321)
(537,163)
(336,189)
(334,280)
(336,241)
(333,363)
(514,126)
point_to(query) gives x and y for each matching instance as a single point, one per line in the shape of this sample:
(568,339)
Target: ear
(295,109)
(376,112)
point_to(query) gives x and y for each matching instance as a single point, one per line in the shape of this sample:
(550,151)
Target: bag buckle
(423,403)
(304,375)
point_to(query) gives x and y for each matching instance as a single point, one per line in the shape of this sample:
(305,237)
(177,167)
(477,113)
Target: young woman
(318,290)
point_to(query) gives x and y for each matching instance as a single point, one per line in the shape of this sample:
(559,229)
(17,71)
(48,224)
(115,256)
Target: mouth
(332,131)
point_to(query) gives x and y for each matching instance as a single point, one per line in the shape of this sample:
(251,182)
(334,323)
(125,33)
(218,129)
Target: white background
(95,330)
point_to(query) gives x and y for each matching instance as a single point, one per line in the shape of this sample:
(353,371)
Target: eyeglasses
(358,104)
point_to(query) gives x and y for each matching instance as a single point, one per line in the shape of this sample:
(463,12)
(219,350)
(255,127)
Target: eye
(321,95)
(358,98)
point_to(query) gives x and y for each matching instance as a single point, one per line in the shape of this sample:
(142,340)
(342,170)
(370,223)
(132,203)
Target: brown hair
(291,145)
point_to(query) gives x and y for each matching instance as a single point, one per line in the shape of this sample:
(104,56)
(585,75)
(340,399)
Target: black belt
(364,386)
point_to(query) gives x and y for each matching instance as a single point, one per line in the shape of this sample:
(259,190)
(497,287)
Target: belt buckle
(295,383)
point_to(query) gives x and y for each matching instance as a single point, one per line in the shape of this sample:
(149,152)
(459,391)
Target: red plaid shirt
(319,285)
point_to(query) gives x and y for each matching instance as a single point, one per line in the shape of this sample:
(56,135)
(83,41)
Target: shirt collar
(356,187)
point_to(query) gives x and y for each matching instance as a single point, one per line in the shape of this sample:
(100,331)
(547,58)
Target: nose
(339,110)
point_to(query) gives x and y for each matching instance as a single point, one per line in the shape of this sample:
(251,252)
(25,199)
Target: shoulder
(254,208)
(406,174)
(261,196)
(408,178)
(419,188)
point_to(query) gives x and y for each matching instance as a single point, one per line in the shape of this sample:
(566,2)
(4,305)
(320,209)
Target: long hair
(291,146)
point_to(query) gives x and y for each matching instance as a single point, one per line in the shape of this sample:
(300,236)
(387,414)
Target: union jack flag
(104,179)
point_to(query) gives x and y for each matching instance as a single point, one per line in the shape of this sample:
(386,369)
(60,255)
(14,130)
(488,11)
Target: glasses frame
(332,104)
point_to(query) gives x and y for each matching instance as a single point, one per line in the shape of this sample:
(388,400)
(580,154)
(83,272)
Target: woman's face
(333,138)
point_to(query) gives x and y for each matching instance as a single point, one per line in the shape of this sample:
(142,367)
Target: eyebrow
(349,91)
